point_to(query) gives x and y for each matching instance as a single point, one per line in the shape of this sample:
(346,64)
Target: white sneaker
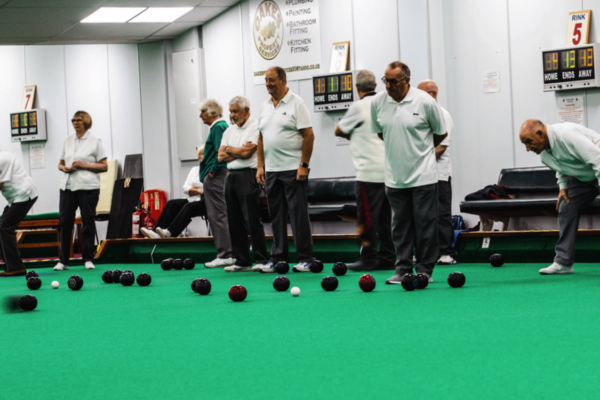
(555,269)
(267,268)
(257,267)
(446,260)
(164,233)
(301,267)
(237,268)
(150,234)
(219,262)
(61,267)
(89,265)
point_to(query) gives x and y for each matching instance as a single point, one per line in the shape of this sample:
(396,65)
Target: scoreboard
(26,126)
(572,67)
(334,92)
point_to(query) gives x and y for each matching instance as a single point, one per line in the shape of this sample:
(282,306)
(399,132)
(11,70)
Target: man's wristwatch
(303,164)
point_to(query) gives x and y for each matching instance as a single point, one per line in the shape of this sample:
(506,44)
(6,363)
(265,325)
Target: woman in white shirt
(19,191)
(83,158)
(178,213)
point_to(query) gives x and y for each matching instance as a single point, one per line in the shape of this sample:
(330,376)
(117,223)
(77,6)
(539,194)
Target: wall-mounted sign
(287,34)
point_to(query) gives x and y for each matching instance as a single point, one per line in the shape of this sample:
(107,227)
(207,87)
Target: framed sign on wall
(339,57)
(578,28)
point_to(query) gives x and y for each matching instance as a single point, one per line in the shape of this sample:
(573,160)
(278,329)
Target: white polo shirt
(238,136)
(367,150)
(280,128)
(18,185)
(443,163)
(574,151)
(408,128)
(192,181)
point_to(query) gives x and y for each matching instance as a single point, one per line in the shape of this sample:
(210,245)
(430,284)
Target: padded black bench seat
(535,190)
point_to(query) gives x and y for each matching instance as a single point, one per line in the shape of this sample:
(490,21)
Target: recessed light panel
(161,14)
(113,14)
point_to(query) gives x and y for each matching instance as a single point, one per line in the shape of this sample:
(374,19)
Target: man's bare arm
(437,139)
(338,132)
(242,152)
(223,156)
(439,150)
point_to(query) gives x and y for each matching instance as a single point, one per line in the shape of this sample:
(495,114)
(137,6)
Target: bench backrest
(331,189)
(528,180)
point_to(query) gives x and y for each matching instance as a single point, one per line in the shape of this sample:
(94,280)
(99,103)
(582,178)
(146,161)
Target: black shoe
(363,266)
(396,279)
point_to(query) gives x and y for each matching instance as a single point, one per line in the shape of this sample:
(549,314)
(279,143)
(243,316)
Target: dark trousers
(217,212)
(11,218)
(86,201)
(581,195)
(286,195)
(375,218)
(178,213)
(242,195)
(446,232)
(415,221)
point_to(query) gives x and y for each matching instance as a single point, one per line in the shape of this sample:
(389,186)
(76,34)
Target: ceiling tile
(202,14)
(152,3)
(221,3)
(37,30)
(176,28)
(100,31)
(63,14)
(56,3)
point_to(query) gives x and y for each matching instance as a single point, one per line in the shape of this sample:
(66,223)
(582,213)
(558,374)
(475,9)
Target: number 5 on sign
(578,29)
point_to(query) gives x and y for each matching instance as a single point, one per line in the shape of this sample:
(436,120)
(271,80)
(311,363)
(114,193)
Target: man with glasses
(411,125)
(368,154)
(442,155)
(285,145)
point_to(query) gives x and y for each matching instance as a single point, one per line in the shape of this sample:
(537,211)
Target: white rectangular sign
(36,156)
(571,109)
(287,34)
(491,81)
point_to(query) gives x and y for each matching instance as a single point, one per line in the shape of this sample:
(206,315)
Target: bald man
(573,151)
(444,167)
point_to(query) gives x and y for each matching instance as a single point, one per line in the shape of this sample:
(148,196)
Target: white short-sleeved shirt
(238,136)
(100,152)
(367,150)
(574,151)
(18,185)
(408,128)
(444,164)
(280,128)
(192,181)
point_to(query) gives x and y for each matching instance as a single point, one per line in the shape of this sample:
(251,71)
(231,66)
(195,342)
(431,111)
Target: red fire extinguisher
(136,219)
(149,222)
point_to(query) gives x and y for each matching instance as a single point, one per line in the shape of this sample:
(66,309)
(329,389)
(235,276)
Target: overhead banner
(287,34)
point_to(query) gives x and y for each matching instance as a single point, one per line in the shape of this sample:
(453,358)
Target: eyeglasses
(392,81)
(76,120)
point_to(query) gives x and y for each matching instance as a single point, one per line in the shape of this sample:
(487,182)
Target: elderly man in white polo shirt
(573,151)
(368,154)
(442,154)
(285,145)
(411,125)
(19,191)
(242,192)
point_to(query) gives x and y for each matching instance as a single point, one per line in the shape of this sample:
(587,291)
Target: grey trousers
(581,194)
(446,231)
(375,218)
(242,194)
(415,221)
(216,210)
(286,195)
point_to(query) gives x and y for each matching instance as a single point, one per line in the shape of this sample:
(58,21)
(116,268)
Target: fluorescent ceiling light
(113,14)
(161,14)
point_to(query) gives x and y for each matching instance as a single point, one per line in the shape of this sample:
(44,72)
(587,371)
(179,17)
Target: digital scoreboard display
(334,92)
(28,125)
(570,68)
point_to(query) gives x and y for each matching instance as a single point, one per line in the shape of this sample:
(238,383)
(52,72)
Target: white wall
(100,79)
